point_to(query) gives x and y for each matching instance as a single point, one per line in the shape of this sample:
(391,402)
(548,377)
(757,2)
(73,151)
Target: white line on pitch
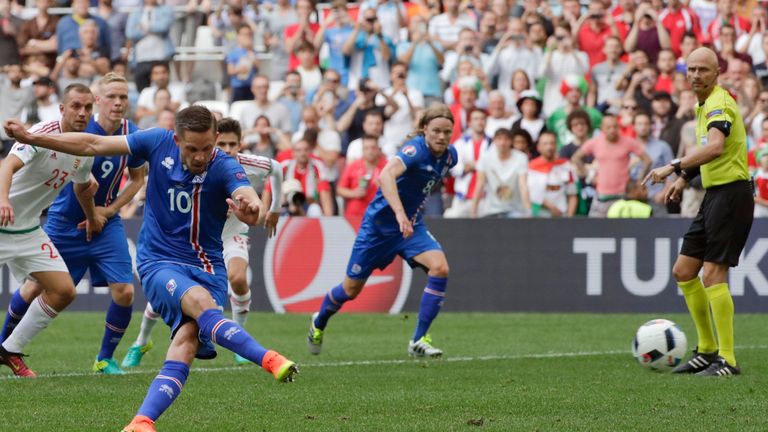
(380,362)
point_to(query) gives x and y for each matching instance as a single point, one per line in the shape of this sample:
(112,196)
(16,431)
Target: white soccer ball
(659,345)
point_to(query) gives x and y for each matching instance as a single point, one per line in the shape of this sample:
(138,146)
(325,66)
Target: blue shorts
(374,249)
(166,283)
(106,255)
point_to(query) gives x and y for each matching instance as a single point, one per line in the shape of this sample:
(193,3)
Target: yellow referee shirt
(731,165)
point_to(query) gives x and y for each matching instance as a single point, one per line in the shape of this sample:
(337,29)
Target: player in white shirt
(30,179)
(234,237)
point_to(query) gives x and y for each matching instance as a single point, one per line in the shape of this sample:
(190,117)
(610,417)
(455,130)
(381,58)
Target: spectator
(638,60)
(606,76)
(760,143)
(264,140)
(38,35)
(424,58)
(467,100)
(629,108)
(467,50)
(520,83)
(752,43)
(67,71)
(761,69)
(224,23)
(664,124)
(747,95)
(307,171)
(391,15)
(680,20)
(161,102)
(94,60)
(660,154)
(373,125)
(14,97)
(332,97)
(336,29)
(9,28)
(571,12)
(281,16)
(580,127)
(649,35)
(358,182)
(489,37)
(160,77)
(303,30)
(242,65)
(634,206)
(561,59)
(761,185)
(537,36)
(726,15)
(44,106)
(502,180)
(500,9)
(572,89)
(550,181)
(643,86)
(687,46)
(149,29)
(524,143)
(529,104)
(369,50)
(666,67)
(611,151)
(512,54)
(167,119)
(409,102)
(470,148)
(117,22)
(352,120)
(593,30)
(444,28)
(624,16)
(67,28)
(328,147)
(278,114)
(292,97)
(755,121)
(310,74)
(727,48)
(498,117)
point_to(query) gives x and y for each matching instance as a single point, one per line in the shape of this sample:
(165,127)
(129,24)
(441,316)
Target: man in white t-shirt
(502,174)
(30,179)
(445,27)
(409,102)
(160,76)
(373,125)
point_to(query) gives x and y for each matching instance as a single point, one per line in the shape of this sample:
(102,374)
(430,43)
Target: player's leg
(332,302)
(239,294)
(197,303)
(143,341)
(18,306)
(168,384)
(59,292)
(116,323)
(431,301)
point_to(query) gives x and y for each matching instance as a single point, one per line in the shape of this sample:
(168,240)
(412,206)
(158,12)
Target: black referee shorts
(719,231)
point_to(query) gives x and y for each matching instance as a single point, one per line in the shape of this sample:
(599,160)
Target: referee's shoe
(720,367)
(698,363)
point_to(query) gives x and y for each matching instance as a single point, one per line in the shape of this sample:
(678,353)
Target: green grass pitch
(501,372)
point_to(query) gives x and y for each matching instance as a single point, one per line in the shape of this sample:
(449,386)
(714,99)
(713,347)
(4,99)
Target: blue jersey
(185,212)
(423,172)
(108,171)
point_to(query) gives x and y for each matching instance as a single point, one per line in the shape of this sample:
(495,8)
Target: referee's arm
(716,134)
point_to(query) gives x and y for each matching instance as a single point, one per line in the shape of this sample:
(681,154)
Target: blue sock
(431,302)
(164,389)
(16,310)
(332,302)
(221,331)
(117,321)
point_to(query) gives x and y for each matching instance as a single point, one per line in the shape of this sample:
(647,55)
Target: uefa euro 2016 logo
(309,256)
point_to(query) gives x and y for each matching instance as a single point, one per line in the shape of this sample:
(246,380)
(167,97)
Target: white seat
(204,37)
(216,106)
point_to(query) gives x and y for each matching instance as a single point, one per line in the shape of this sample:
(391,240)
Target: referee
(718,233)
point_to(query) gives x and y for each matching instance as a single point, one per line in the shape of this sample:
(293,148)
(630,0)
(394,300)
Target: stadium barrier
(524,265)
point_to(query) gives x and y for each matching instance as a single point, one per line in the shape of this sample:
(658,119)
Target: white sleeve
(25,152)
(83,173)
(276,180)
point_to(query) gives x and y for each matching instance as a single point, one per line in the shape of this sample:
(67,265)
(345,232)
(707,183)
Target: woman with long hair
(393,225)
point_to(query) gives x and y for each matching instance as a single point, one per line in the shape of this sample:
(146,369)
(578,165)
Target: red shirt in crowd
(592,42)
(678,23)
(351,178)
(293,61)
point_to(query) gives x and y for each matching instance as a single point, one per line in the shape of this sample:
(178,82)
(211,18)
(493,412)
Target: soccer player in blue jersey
(105,253)
(191,186)
(393,225)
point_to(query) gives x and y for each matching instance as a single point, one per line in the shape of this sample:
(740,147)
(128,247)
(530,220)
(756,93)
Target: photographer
(352,120)
(513,53)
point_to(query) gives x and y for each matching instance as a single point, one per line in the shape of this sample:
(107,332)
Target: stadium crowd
(560,107)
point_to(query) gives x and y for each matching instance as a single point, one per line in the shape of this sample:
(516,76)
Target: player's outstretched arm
(246,205)
(79,144)
(388,184)
(8,167)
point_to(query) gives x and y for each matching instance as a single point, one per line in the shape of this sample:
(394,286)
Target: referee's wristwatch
(676,165)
